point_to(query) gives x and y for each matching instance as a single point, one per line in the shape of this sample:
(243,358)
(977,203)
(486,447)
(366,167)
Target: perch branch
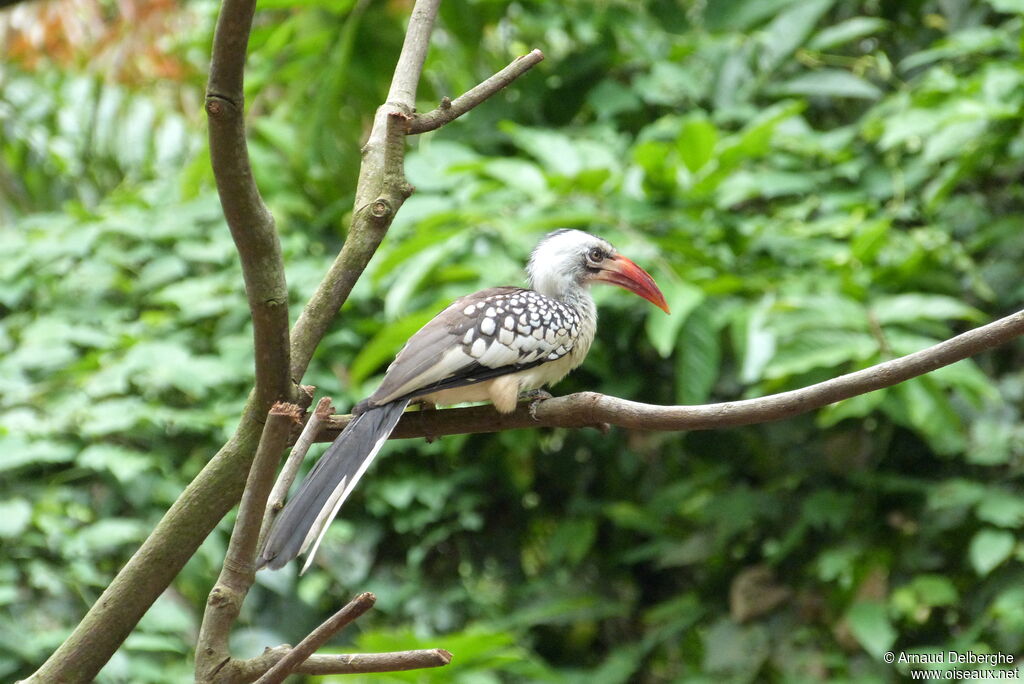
(590,409)
(453,109)
(239,571)
(317,638)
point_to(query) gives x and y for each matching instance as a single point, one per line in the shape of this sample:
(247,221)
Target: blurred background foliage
(818,186)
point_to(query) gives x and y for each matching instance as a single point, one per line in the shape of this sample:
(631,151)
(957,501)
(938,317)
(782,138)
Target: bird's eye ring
(596,255)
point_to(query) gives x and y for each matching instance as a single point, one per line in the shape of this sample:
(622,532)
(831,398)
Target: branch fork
(213,659)
(281,357)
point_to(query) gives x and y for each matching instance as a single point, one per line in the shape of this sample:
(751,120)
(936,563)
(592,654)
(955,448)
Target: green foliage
(818,186)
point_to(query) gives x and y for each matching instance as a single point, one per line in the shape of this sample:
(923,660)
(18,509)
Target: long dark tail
(306,516)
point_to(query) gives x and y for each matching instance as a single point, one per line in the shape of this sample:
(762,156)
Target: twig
(238,572)
(318,637)
(350,663)
(590,409)
(453,109)
(291,467)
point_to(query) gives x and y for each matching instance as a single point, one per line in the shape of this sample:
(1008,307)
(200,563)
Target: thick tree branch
(152,568)
(590,409)
(453,109)
(239,570)
(317,638)
(251,225)
(215,490)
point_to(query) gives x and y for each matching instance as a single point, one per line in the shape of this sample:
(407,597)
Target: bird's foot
(427,406)
(535,397)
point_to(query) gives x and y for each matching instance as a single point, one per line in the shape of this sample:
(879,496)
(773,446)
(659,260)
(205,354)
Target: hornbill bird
(488,346)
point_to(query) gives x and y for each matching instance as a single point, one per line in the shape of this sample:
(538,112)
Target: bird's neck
(577,297)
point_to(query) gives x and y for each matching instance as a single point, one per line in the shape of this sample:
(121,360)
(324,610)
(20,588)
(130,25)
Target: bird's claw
(427,406)
(535,397)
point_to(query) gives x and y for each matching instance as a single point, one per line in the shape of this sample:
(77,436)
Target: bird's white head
(566,262)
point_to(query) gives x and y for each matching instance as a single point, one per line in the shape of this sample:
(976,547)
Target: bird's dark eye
(595,256)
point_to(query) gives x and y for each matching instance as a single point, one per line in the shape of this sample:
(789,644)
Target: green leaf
(696,142)
(740,15)
(19,453)
(854,407)
(869,622)
(754,139)
(820,349)
(663,330)
(918,306)
(386,344)
(992,440)
(15,515)
(1002,509)
(989,548)
(935,590)
(757,340)
(789,29)
(829,83)
(124,464)
(846,31)
(105,535)
(429,168)
(1008,6)
(955,493)
(668,84)
(555,151)
(413,273)
(698,357)
(735,652)
(920,404)
(520,174)
(572,540)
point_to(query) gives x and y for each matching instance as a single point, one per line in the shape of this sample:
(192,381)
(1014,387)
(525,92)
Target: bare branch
(414,53)
(590,409)
(251,225)
(318,637)
(380,193)
(239,570)
(353,663)
(291,467)
(453,109)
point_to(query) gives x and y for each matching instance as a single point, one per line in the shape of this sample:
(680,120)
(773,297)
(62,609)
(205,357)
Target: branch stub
(381,208)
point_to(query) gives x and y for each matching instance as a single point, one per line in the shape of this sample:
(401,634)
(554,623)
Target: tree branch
(380,193)
(354,663)
(251,225)
(317,638)
(590,409)
(453,109)
(215,490)
(291,466)
(154,566)
(239,570)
